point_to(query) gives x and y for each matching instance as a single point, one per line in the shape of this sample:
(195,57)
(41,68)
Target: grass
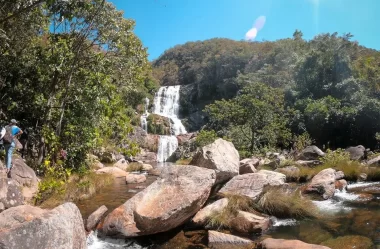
(53,192)
(236,203)
(134,166)
(373,173)
(277,202)
(183,161)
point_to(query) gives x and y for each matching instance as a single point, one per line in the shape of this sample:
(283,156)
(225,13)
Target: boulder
(275,177)
(323,184)
(205,213)
(251,185)
(341,184)
(10,194)
(374,161)
(339,175)
(287,244)
(222,240)
(357,152)
(165,204)
(220,156)
(33,227)
(248,165)
(135,178)
(147,167)
(95,217)
(311,153)
(146,156)
(121,164)
(97,165)
(114,171)
(246,222)
(25,177)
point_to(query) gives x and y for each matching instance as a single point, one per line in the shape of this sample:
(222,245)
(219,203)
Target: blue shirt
(15,130)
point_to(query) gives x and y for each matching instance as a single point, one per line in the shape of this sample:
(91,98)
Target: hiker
(12,131)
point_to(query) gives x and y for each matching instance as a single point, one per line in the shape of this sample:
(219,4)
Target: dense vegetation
(280,94)
(72,72)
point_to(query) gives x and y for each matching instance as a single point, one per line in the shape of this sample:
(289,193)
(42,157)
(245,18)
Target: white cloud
(251,34)
(257,26)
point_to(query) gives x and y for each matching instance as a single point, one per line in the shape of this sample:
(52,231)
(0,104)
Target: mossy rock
(312,233)
(349,242)
(158,125)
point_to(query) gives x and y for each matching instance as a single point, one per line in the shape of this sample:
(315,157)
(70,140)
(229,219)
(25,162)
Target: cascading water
(166,103)
(144,123)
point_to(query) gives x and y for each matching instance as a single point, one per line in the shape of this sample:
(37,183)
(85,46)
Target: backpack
(8,137)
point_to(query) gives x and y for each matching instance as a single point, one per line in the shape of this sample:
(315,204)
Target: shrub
(205,137)
(300,142)
(53,192)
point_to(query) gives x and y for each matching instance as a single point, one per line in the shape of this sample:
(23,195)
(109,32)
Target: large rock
(114,171)
(248,165)
(205,213)
(121,164)
(311,153)
(291,172)
(323,184)
(374,161)
(251,185)
(167,203)
(221,156)
(25,177)
(146,157)
(95,217)
(246,222)
(10,194)
(357,152)
(135,178)
(275,177)
(28,227)
(222,240)
(287,244)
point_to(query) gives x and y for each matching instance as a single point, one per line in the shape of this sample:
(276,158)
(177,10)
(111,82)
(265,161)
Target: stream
(355,211)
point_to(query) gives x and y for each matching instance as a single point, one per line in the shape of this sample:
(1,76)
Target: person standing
(13,131)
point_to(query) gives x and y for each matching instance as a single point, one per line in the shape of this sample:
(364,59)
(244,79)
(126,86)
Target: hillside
(326,89)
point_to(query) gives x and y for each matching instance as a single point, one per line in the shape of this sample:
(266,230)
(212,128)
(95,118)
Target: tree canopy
(327,87)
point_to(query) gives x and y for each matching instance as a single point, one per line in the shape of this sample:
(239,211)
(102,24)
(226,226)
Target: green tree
(257,112)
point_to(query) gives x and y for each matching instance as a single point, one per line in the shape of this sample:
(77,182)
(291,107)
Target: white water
(166,146)
(144,123)
(283,222)
(93,242)
(166,104)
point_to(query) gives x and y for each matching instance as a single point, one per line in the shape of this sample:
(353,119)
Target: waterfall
(144,123)
(166,103)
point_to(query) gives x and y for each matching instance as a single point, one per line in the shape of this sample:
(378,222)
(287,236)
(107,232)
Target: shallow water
(348,213)
(112,195)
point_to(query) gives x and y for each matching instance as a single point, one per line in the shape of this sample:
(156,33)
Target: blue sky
(162,24)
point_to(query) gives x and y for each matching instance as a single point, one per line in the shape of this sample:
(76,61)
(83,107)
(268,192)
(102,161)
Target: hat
(14,121)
